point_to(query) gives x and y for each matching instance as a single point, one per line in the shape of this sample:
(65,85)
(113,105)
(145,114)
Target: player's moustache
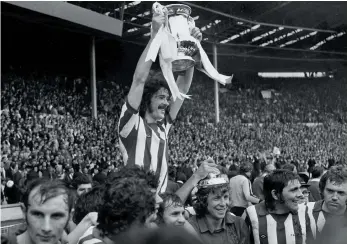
(162,106)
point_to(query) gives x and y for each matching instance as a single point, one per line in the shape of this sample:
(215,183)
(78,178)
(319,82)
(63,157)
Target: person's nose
(46,225)
(166,102)
(181,219)
(334,197)
(222,202)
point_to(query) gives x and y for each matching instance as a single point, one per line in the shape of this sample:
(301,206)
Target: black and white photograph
(163,122)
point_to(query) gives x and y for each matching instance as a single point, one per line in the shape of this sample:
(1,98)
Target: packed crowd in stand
(46,122)
(267,161)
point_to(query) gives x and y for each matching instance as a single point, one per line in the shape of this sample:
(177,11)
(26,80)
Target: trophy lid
(179,9)
(212,180)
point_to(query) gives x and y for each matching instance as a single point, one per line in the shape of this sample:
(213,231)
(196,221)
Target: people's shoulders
(239,178)
(259,208)
(231,218)
(258,181)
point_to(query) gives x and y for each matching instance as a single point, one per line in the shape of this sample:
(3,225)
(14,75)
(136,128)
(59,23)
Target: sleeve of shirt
(129,120)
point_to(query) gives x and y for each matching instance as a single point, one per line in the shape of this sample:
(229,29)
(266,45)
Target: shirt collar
(318,206)
(203,225)
(262,210)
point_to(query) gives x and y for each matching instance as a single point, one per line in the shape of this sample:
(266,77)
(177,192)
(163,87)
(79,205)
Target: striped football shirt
(145,144)
(326,227)
(266,228)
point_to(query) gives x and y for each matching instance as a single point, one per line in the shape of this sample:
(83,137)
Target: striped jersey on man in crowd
(147,114)
(279,219)
(328,217)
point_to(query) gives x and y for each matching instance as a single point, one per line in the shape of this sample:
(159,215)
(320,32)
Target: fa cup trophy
(177,49)
(180,25)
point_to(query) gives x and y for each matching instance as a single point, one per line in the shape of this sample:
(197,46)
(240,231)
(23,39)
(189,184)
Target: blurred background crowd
(47,130)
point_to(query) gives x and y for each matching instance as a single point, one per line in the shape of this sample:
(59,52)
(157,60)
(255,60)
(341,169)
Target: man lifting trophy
(152,105)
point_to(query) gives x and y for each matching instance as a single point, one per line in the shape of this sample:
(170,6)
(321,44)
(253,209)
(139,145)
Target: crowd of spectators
(46,124)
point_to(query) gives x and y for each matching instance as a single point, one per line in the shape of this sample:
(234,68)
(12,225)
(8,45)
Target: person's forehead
(54,204)
(174,207)
(218,192)
(162,91)
(336,186)
(292,184)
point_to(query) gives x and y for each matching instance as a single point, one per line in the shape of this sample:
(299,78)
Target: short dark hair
(89,202)
(150,89)
(290,167)
(200,206)
(277,180)
(138,172)
(126,201)
(49,189)
(246,167)
(169,199)
(317,171)
(79,180)
(337,174)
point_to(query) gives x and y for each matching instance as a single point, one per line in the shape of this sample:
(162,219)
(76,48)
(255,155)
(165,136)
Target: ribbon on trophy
(166,42)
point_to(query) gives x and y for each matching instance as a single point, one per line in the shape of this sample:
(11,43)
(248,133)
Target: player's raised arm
(184,82)
(143,67)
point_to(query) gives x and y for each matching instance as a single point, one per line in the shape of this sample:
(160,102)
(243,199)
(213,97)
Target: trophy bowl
(180,27)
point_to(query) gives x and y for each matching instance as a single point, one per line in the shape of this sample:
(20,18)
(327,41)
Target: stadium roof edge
(74,14)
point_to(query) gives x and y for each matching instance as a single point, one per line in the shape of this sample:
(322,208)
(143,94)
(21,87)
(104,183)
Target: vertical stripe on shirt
(148,159)
(320,221)
(140,144)
(128,121)
(313,226)
(289,229)
(163,172)
(271,229)
(302,220)
(253,216)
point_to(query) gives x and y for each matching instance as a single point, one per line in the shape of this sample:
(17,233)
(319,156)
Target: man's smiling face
(159,103)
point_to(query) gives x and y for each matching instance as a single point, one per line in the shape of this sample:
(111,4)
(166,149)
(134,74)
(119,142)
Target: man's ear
(24,209)
(274,194)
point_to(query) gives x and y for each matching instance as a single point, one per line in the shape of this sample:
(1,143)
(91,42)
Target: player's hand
(92,217)
(206,168)
(157,21)
(196,33)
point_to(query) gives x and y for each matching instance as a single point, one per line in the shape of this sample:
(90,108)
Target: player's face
(174,215)
(335,196)
(46,221)
(292,195)
(83,188)
(217,204)
(159,103)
